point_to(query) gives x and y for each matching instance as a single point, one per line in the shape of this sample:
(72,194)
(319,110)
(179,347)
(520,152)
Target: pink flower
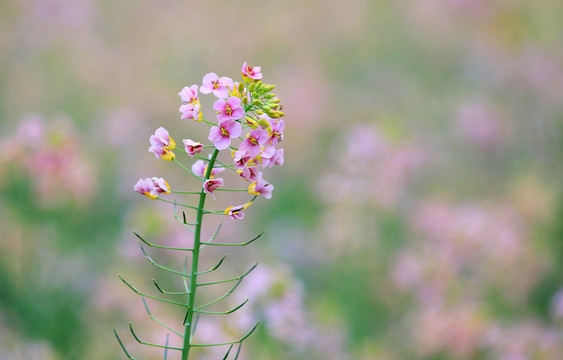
(221,135)
(200,168)
(190,111)
(160,186)
(261,187)
(278,158)
(254,140)
(189,94)
(266,156)
(162,144)
(210,185)
(144,187)
(219,86)
(192,147)
(241,158)
(229,109)
(276,134)
(250,73)
(151,187)
(234,212)
(250,173)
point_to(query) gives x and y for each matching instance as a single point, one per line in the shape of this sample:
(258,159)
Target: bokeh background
(418,214)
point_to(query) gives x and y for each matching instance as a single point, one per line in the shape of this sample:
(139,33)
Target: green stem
(195,261)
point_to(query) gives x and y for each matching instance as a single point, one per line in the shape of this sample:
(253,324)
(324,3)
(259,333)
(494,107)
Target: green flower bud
(259,112)
(251,87)
(269,96)
(256,102)
(245,100)
(269,88)
(240,87)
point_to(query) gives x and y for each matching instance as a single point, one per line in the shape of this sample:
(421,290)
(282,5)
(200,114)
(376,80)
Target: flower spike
(248,127)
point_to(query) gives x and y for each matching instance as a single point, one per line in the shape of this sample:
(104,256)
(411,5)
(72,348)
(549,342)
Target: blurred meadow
(418,214)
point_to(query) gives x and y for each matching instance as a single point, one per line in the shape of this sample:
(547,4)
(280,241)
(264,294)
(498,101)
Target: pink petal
(219,105)
(223,143)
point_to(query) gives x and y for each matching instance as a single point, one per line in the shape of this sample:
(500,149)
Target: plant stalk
(195,261)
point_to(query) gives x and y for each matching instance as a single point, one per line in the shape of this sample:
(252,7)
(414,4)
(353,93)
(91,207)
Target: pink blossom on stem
(241,158)
(219,86)
(221,135)
(234,212)
(276,134)
(144,187)
(162,144)
(211,185)
(189,94)
(250,73)
(190,111)
(250,173)
(270,157)
(151,187)
(261,187)
(192,147)
(229,109)
(278,158)
(253,141)
(160,186)
(199,168)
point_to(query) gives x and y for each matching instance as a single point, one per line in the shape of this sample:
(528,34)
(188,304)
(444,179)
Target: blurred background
(418,214)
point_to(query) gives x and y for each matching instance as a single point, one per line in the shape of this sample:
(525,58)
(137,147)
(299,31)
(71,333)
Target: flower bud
(259,112)
(258,84)
(269,88)
(251,87)
(269,96)
(240,87)
(256,102)
(264,123)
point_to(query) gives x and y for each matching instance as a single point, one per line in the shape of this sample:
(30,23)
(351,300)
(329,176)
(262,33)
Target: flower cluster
(248,125)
